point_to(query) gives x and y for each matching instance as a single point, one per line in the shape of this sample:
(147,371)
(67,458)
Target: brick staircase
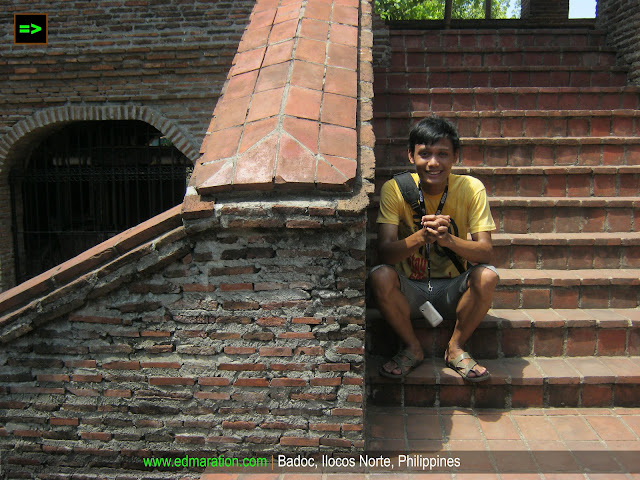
(549,125)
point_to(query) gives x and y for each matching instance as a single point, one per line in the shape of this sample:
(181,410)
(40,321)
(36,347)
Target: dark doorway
(86,182)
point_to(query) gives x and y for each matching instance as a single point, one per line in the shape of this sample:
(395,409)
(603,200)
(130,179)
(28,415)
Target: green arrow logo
(26,29)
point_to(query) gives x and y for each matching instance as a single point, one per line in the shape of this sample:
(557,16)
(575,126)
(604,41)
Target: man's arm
(392,251)
(477,250)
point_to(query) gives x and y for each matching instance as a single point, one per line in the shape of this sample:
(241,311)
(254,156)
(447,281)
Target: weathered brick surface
(163,63)
(621,19)
(170,55)
(157,365)
(243,333)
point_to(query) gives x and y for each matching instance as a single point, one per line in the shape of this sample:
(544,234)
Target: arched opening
(86,182)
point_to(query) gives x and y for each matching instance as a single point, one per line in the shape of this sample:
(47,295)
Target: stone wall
(621,20)
(169,57)
(251,340)
(232,324)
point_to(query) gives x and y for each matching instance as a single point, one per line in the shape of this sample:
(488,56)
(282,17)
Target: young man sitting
(415,242)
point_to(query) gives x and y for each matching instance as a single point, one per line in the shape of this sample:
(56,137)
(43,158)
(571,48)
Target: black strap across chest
(412,194)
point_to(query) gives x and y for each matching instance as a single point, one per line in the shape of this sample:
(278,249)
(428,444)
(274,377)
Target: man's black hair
(432,129)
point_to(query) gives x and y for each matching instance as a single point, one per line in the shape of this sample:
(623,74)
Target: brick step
(498,38)
(526,151)
(519,382)
(575,288)
(596,56)
(400,93)
(519,123)
(584,215)
(523,76)
(526,332)
(563,251)
(613,181)
(567,251)
(596,288)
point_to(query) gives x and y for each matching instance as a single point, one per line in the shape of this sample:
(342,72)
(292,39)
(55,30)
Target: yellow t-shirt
(466,204)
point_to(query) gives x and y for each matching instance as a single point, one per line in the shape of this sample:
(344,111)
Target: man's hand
(436,228)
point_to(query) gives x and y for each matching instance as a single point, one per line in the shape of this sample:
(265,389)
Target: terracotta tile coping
(36,300)
(287,116)
(87,261)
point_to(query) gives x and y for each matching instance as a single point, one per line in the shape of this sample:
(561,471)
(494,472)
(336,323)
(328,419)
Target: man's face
(433,164)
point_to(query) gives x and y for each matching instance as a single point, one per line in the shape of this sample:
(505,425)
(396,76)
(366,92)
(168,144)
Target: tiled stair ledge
(564,251)
(560,181)
(508,333)
(526,123)
(511,114)
(564,278)
(584,288)
(519,35)
(101,269)
(515,383)
(585,215)
(534,69)
(560,49)
(560,238)
(287,117)
(504,98)
(534,151)
(602,202)
(572,239)
(507,141)
(569,202)
(386,173)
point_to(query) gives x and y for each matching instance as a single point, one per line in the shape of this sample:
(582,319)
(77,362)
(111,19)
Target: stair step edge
(550,317)
(533,170)
(525,371)
(510,114)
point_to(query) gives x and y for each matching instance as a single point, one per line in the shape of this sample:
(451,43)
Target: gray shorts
(445,295)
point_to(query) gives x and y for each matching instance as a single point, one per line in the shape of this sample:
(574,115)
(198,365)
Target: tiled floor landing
(540,444)
(550,443)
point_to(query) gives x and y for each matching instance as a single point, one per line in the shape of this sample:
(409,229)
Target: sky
(580,8)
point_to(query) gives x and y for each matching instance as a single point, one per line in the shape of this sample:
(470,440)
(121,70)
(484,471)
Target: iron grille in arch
(85,183)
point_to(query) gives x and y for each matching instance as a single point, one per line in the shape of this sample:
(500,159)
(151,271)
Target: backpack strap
(409,191)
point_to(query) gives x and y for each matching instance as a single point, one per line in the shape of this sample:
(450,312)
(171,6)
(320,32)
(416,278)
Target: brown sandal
(405,361)
(464,370)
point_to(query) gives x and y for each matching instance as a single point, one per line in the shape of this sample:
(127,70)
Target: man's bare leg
(395,308)
(472,308)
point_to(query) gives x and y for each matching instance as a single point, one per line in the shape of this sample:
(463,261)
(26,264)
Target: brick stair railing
(549,125)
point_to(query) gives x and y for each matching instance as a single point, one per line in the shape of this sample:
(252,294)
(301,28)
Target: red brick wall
(621,19)
(234,324)
(250,340)
(171,57)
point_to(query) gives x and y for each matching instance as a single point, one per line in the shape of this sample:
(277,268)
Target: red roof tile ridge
(275,126)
